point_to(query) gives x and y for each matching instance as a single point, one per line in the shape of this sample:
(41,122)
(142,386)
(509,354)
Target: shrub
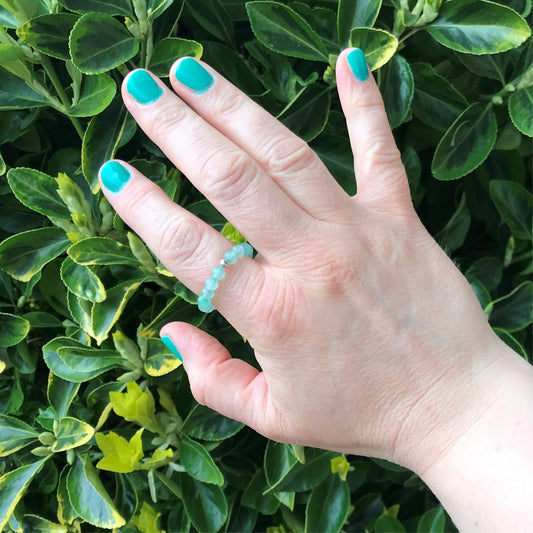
(98,427)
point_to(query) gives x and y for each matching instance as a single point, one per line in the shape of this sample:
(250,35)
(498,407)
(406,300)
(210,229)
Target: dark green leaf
(97,93)
(488,270)
(13,329)
(25,254)
(432,521)
(282,30)
(38,191)
(328,506)
(278,462)
(355,14)
(49,33)
(82,281)
(514,312)
(61,393)
(16,94)
(466,144)
(388,524)
(65,511)
(14,435)
(478,27)
(511,342)
(212,16)
(257,497)
(98,43)
(101,251)
(205,504)
(491,66)
(198,463)
(397,88)
(206,424)
(515,205)
(89,497)
(521,110)
(482,295)
(453,235)
(168,50)
(413,168)
(111,7)
(40,319)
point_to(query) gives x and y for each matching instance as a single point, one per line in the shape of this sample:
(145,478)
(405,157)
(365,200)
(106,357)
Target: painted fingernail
(356,60)
(114,176)
(167,341)
(193,75)
(143,87)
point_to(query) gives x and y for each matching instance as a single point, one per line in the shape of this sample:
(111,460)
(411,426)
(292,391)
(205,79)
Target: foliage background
(98,429)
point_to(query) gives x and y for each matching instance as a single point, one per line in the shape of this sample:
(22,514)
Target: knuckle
(164,119)
(382,151)
(180,243)
(288,154)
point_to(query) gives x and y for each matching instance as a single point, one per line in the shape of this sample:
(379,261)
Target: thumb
(378,167)
(230,386)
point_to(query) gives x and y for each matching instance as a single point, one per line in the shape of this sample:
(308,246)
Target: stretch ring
(219,272)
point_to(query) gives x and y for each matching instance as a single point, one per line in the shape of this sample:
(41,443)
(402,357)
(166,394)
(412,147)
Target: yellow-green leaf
(120,455)
(146,520)
(339,465)
(378,45)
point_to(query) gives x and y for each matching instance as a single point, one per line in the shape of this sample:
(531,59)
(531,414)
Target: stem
(49,69)
(412,32)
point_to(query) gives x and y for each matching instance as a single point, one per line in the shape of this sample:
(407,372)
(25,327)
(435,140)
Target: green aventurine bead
(218,272)
(211,284)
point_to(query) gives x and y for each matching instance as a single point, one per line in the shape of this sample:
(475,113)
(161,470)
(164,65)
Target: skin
(370,340)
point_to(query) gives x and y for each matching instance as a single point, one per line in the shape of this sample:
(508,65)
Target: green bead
(218,272)
(230,257)
(211,284)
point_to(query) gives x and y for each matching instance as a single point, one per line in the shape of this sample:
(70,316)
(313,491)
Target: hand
(369,339)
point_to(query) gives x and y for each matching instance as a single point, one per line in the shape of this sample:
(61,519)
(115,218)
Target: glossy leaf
(159,360)
(435,101)
(168,50)
(13,485)
(111,7)
(478,27)
(126,498)
(328,506)
(61,393)
(98,43)
(379,46)
(120,455)
(355,14)
(278,462)
(488,270)
(71,433)
(81,310)
(198,463)
(206,424)
(521,110)
(65,511)
(511,341)
(97,93)
(432,521)
(212,16)
(397,89)
(89,361)
(466,144)
(146,519)
(257,496)
(16,94)
(82,281)
(515,205)
(453,235)
(387,523)
(89,496)
(514,312)
(14,435)
(205,504)
(282,30)
(49,33)
(25,254)
(101,251)
(38,524)
(13,329)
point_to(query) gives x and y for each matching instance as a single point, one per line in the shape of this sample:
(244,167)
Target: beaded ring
(219,272)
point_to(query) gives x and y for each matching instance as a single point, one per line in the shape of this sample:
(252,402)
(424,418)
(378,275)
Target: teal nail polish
(193,75)
(167,341)
(143,87)
(356,60)
(114,176)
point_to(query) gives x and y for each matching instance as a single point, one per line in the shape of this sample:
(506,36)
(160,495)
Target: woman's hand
(369,339)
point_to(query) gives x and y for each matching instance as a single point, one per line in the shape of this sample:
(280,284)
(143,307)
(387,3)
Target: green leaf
(13,485)
(205,504)
(521,110)
(307,115)
(355,14)
(98,43)
(514,312)
(159,360)
(257,496)
(378,45)
(82,281)
(492,66)
(65,511)
(212,16)
(37,524)
(61,393)
(97,93)
(89,496)
(330,517)
(397,88)
(488,270)
(126,498)
(81,310)
(16,94)
(478,27)
(111,7)
(511,342)
(432,521)
(13,329)
(10,52)
(278,462)
(515,205)
(453,235)
(25,254)
(435,101)
(466,144)
(167,50)
(120,455)
(205,424)
(282,30)
(38,191)
(71,433)
(14,435)
(198,463)
(101,251)
(49,33)
(386,523)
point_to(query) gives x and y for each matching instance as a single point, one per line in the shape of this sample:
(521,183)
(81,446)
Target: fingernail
(114,176)
(356,60)
(143,87)
(193,75)
(167,341)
